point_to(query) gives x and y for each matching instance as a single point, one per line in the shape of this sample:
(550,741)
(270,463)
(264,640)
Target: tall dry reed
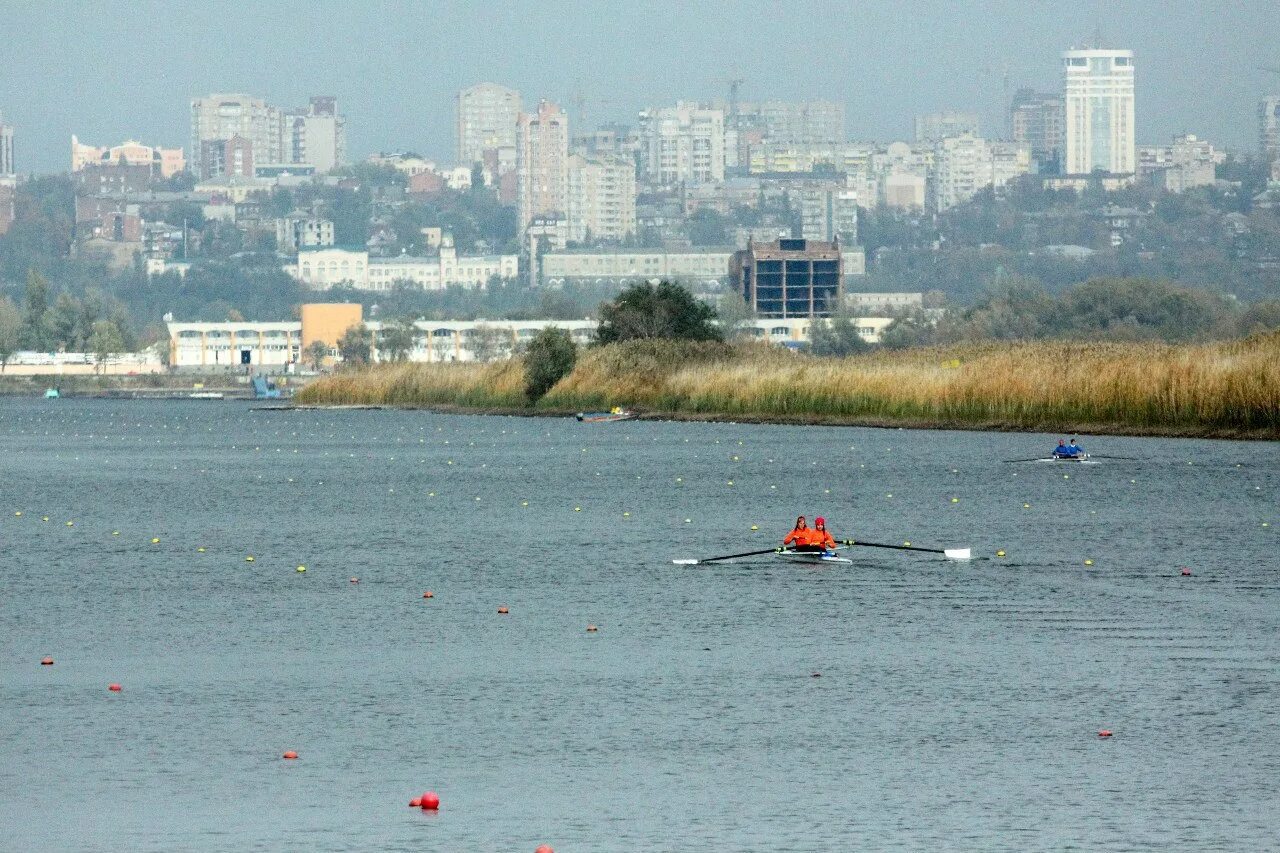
(1221,388)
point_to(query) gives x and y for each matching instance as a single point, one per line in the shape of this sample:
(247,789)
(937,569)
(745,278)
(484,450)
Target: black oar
(725,557)
(1035,459)
(952,553)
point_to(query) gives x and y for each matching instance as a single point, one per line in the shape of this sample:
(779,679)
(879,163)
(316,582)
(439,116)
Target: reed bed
(479,386)
(1208,389)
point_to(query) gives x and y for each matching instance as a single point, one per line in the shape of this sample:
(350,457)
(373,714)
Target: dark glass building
(789,277)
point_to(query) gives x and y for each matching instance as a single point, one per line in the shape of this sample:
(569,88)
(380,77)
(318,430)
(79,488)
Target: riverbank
(1219,390)
(147,385)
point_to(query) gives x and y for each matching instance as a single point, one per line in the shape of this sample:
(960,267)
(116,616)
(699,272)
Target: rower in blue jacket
(1075,449)
(1062,451)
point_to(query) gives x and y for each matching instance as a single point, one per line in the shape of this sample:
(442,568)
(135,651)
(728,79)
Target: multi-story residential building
(789,277)
(542,164)
(315,135)
(1189,162)
(325,267)
(602,198)
(795,122)
(6,148)
(828,214)
(231,157)
(163,162)
(1036,121)
(7,211)
(963,165)
(301,230)
(936,126)
(698,268)
(1268,128)
(1098,102)
(487,116)
(219,117)
(684,144)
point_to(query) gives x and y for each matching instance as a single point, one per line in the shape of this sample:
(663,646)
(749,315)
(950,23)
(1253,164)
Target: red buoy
(47,661)
(544,848)
(1104,733)
(428,594)
(1186,573)
(591,629)
(503,609)
(430,801)
(114,688)
(290,755)
(415,803)
(355,580)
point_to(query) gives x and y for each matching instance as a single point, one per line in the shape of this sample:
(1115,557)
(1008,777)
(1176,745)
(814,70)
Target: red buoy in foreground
(430,801)
(114,688)
(428,594)
(1186,573)
(544,848)
(1104,733)
(415,803)
(47,661)
(290,755)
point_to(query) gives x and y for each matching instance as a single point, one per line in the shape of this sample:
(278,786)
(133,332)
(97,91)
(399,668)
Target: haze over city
(116,70)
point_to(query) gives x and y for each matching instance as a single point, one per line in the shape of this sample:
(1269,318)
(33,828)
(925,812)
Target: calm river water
(958,704)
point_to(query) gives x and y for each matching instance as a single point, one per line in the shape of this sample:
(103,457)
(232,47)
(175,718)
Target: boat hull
(604,417)
(813,557)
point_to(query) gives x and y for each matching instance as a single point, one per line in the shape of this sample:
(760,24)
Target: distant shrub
(550,356)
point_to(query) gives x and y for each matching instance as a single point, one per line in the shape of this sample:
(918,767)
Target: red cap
(819,520)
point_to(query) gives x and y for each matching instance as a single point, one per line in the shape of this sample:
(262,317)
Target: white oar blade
(685,562)
(958,554)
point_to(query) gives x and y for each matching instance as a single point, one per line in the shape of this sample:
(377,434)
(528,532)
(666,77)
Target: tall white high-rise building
(1098,99)
(683,144)
(487,116)
(219,117)
(542,164)
(602,197)
(6,148)
(1269,127)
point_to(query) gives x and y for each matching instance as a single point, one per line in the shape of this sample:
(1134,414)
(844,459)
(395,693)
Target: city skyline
(400,95)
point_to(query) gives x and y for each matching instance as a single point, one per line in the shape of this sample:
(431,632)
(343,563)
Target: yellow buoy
(999,553)
(115,533)
(626,515)
(577,509)
(301,568)
(1088,562)
(688,521)
(955,500)
(19,512)
(1026,506)
(248,559)
(755,527)
(199,550)
(71,524)
(155,540)
(524,503)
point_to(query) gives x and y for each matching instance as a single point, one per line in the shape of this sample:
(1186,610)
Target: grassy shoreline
(1219,390)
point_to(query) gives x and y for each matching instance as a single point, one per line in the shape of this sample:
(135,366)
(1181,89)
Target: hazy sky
(108,70)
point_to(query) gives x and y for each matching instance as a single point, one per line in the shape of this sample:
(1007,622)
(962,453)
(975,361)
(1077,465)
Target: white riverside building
(273,347)
(326,267)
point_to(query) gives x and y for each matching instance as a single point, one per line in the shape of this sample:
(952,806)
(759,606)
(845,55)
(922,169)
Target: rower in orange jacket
(799,536)
(820,536)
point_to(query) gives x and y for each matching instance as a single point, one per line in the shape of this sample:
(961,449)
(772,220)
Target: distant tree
(398,339)
(442,346)
(550,356)
(105,341)
(10,330)
(315,353)
(488,343)
(735,315)
(355,345)
(836,336)
(35,331)
(1263,316)
(664,310)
